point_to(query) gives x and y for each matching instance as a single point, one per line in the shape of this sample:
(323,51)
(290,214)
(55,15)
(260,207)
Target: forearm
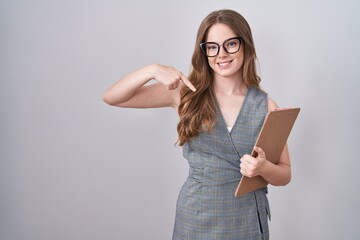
(126,87)
(277,175)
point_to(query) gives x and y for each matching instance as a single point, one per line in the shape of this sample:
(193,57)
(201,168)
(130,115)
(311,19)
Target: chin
(228,74)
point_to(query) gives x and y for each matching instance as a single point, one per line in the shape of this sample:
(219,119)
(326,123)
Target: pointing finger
(187,83)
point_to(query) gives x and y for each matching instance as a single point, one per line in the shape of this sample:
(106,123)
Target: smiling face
(224,65)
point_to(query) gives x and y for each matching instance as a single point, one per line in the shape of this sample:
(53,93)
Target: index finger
(187,83)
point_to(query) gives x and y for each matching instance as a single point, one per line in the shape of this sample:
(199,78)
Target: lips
(223,65)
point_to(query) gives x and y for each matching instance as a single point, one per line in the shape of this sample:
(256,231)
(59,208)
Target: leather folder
(272,139)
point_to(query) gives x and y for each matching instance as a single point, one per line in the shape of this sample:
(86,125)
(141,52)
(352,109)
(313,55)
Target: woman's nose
(222,51)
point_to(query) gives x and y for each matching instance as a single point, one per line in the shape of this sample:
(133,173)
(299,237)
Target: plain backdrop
(74,168)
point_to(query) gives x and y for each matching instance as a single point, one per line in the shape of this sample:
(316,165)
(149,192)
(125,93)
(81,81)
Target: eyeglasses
(231,45)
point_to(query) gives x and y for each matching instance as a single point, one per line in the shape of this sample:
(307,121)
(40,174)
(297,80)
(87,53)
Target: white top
(229,128)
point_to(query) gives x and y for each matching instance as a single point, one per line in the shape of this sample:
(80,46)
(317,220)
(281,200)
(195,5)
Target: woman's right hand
(132,91)
(169,76)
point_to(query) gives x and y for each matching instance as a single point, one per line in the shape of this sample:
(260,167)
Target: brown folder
(272,139)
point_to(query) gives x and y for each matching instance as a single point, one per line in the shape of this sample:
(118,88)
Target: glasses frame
(203,44)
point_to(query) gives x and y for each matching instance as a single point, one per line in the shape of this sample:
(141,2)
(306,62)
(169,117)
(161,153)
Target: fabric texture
(207,208)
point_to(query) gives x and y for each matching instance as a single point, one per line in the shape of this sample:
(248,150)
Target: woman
(221,109)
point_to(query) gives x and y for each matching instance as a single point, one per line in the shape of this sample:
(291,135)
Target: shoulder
(258,96)
(272,105)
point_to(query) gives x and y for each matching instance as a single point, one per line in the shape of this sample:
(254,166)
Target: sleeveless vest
(207,208)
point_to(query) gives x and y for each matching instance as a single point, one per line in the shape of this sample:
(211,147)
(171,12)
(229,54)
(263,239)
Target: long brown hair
(197,110)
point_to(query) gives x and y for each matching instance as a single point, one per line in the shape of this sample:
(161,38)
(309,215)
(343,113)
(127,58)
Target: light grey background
(74,168)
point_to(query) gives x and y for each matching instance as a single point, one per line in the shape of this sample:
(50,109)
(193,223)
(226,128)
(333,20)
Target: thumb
(260,152)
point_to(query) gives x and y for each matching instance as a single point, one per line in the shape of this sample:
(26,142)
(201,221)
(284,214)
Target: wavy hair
(197,110)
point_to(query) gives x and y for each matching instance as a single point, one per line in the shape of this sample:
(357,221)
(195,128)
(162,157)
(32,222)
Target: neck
(229,86)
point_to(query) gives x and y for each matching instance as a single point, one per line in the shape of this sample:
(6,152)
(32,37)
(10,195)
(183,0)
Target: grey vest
(207,208)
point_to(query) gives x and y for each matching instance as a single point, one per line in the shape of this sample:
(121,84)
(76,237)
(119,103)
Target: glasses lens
(232,45)
(211,49)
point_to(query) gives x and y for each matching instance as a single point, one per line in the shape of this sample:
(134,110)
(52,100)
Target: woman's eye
(212,47)
(232,44)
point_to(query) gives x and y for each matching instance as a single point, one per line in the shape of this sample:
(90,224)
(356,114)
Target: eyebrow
(222,41)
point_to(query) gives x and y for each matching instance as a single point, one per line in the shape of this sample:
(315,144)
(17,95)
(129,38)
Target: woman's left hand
(250,166)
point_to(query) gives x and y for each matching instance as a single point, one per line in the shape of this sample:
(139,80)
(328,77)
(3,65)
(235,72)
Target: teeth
(224,64)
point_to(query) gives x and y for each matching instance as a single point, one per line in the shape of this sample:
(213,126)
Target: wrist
(264,168)
(150,71)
